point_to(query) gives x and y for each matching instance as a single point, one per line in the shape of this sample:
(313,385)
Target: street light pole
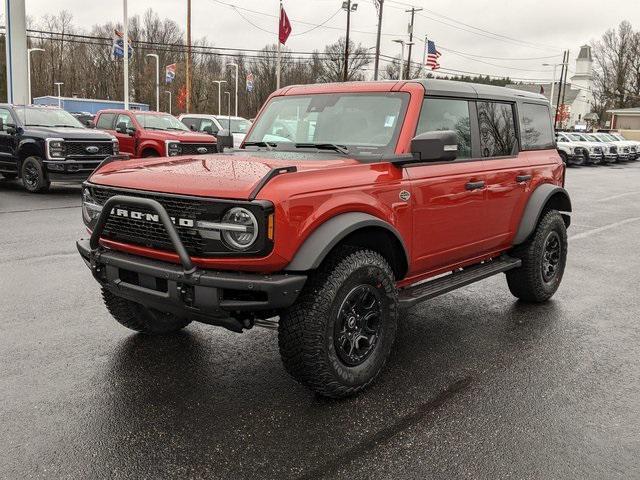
(236,100)
(228,95)
(29,71)
(402,44)
(219,82)
(59,84)
(349,7)
(553,83)
(125,53)
(167,91)
(155,55)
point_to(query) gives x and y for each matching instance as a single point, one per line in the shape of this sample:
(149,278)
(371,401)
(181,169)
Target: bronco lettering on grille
(150,217)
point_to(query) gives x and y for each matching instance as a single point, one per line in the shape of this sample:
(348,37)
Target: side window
(105,122)
(191,123)
(206,122)
(126,119)
(447,114)
(536,127)
(497,129)
(6,117)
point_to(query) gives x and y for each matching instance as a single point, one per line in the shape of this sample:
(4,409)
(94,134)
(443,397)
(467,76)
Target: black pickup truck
(44,144)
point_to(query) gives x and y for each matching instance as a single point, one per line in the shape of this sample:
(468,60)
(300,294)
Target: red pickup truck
(153,134)
(347,203)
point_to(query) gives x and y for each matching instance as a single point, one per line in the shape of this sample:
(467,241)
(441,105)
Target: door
(126,141)
(508,171)
(7,142)
(448,198)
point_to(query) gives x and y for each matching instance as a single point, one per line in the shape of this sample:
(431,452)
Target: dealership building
(90,105)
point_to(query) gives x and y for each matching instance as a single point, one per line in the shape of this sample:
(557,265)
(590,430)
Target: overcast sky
(542,27)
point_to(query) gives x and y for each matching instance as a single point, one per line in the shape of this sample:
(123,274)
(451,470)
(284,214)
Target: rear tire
(33,175)
(140,318)
(338,335)
(544,256)
(564,158)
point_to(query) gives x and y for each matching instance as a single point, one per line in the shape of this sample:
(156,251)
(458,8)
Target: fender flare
(537,201)
(29,142)
(324,238)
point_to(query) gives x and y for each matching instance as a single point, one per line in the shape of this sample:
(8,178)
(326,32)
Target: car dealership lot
(479,385)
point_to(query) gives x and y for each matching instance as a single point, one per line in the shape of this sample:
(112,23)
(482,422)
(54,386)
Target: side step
(460,278)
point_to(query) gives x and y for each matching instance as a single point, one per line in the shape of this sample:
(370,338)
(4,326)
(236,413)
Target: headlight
(55,148)
(116,146)
(173,148)
(240,228)
(90,209)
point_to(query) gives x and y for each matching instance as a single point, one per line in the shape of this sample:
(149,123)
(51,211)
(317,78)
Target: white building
(578,96)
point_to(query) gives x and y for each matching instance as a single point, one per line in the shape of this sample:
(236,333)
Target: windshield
(618,136)
(160,122)
(47,117)
(593,138)
(238,125)
(365,122)
(576,138)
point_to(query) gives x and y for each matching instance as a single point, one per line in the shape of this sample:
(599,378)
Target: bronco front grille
(79,149)
(153,234)
(196,148)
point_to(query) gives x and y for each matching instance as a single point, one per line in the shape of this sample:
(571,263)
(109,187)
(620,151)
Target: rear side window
(447,114)
(536,127)
(192,123)
(497,129)
(105,121)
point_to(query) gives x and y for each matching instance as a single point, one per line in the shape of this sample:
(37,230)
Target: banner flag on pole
(170,73)
(117,46)
(250,82)
(285,26)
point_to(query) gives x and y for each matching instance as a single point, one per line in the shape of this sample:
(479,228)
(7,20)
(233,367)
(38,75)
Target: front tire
(140,318)
(338,335)
(33,175)
(544,256)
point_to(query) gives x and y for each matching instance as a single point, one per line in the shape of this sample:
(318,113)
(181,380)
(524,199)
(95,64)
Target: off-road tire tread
(134,317)
(301,333)
(525,282)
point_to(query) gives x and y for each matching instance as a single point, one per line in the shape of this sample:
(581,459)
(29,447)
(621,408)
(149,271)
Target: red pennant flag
(285,26)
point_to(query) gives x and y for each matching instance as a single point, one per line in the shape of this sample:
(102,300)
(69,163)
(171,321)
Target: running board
(410,296)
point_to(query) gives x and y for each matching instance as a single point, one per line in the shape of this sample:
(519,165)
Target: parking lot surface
(479,385)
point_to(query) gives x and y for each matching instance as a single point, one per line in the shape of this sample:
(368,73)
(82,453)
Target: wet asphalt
(478,386)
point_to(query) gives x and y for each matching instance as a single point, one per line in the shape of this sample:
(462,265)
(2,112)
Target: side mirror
(131,131)
(440,146)
(208,129)
(224,139)
(121,127)
(90,124)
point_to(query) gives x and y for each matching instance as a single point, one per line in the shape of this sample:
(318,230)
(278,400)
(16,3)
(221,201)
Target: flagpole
(125,50)
(278,51)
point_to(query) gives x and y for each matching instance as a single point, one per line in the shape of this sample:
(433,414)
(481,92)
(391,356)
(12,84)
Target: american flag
(432,55)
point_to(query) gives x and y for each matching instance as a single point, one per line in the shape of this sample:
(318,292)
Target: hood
(69,133)
(182,136)
(230,175)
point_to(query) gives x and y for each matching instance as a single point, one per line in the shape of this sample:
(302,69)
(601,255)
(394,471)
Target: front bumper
(70,169)
(209,296)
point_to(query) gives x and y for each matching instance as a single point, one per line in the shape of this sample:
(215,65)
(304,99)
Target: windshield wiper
(67,126)
(324,146)
(267,145)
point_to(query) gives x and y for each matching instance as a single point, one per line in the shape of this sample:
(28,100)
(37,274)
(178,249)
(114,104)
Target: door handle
(474,185)
(523,178)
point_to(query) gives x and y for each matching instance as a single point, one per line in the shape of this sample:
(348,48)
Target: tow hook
(186,293)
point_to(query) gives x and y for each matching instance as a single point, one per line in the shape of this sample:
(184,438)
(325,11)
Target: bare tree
(333,62)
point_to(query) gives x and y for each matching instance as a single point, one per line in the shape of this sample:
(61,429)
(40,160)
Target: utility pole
(565,63)
(379,4)
(187,69)
(349,7)
(413,13)
(566,72)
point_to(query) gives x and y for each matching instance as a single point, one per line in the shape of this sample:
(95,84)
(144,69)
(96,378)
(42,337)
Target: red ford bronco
(153,134)
(346,203)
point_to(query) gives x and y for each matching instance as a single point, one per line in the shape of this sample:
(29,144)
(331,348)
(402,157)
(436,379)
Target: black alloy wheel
(358,325)
(551,254)
(33,176)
